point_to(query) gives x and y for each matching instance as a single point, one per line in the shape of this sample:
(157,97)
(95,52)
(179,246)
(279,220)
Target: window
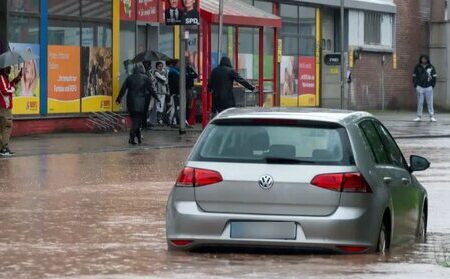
(64,7)
(23,29)
(299,23)
(372,28)
(96,9)
(98,35)
(394,153)
(63,33)
(255,141)
(375,143)
(166,39)
(29,6)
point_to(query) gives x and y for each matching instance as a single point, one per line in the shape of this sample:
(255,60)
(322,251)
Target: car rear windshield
(274,141)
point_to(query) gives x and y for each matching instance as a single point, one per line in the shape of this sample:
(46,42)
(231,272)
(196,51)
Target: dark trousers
(136,123)
(189,96)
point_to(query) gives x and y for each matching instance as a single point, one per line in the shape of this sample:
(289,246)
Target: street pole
(342,54)
(219,48)
(182,111)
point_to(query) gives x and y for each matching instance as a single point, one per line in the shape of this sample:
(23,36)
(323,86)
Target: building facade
(81,48)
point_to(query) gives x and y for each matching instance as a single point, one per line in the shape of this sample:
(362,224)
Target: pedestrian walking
(424,79)
(220,83)
(191,76)
(174,89)
(7,89)
(162,90)
(139,87)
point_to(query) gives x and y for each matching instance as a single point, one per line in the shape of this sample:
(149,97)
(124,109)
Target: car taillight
(181,242)
(191,177)
(352,182)
(352,249)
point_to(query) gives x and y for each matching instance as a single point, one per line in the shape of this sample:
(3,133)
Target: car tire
(382,245)
(421,236)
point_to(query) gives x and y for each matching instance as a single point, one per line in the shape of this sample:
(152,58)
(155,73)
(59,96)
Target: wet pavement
(86,214)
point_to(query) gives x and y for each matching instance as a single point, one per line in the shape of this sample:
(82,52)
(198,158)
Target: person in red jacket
(7,89)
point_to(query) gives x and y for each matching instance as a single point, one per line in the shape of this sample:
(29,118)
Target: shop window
(101,9)
(63,33)
(227,44)
(264,5)
(249,53)
(64,7)
(28,6)
(372,28)
(23,29)
(99,35)
(166,40)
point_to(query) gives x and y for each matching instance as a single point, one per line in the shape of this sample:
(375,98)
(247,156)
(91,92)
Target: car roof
(342,117)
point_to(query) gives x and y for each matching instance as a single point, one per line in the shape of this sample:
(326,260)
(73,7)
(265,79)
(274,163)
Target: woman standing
(162,89)
(139,87)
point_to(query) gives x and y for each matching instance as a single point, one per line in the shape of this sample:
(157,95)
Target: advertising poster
(307,81)
(63,79)
(288,81)
(97,79)
(128,10)
(181,12)
(147,10)
(26,96)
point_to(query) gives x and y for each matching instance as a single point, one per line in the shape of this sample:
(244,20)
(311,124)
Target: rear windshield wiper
(281,160)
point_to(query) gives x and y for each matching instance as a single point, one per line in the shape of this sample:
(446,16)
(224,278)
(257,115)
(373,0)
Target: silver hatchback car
(297,178)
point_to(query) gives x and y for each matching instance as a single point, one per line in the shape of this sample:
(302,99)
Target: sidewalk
(400,124)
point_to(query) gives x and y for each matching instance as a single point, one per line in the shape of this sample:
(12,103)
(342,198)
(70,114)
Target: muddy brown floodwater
(102,216)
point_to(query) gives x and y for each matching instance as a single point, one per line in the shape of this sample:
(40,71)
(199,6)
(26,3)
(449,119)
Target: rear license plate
(264,230)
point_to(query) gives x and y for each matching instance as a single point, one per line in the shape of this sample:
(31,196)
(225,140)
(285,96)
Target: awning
(385,6)
(238,13)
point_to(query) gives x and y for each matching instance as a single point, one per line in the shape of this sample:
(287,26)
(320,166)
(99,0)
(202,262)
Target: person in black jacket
(424,79)
(139,87)
(220,83)
(191,76)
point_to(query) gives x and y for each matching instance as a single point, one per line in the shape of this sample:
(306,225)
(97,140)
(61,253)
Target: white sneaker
(417,119)
(432,119)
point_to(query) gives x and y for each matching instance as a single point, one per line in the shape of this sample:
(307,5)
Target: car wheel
(421,236)
(382,245)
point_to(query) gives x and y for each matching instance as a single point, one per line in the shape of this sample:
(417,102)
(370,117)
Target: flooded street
(101,215)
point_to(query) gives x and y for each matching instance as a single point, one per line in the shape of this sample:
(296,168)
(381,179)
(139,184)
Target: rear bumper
(347,226)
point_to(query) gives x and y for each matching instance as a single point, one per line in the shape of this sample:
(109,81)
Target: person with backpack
(424,80)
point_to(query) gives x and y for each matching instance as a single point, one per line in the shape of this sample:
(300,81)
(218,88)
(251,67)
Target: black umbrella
(150,55)
(13,58)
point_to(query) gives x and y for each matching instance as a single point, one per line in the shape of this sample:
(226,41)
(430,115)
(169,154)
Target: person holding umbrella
(7,89)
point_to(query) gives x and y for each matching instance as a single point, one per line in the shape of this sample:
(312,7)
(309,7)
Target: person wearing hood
(220,83)
(424,79)
(139,87)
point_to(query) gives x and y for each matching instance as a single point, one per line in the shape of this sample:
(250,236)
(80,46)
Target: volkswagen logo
(266,182)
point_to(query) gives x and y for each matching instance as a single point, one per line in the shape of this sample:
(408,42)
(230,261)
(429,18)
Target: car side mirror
(418,163)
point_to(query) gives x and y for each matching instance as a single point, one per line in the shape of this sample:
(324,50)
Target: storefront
(81,46)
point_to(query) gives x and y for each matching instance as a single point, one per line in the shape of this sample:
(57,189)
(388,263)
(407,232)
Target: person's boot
(131,140)
(139,137)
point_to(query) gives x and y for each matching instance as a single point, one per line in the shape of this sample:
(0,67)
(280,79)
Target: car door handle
(387,180)
(405,181)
